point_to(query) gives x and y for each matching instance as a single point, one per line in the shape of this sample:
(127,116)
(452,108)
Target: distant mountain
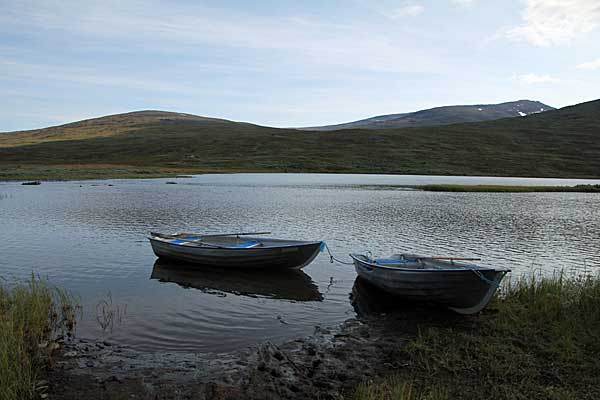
(444,116)
(557,143)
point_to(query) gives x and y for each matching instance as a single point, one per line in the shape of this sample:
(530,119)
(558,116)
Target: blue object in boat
(187,240)
(246,245)
(388,261)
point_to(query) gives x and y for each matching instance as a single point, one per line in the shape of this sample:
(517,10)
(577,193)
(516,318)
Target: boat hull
(464,290)
(282,257)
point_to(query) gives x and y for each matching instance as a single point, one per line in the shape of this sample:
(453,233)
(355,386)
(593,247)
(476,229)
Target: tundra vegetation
(562,143)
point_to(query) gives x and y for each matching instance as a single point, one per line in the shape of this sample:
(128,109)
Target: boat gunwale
(461,267)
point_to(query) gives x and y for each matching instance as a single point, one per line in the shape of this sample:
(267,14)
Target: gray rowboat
(234,251)
(464,288)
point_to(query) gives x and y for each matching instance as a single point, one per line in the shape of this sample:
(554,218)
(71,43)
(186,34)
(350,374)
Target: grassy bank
(509,189)
(62,172)
(32,314)
(540,340)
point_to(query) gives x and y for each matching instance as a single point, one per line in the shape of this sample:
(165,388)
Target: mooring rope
(332,257)
(483,278)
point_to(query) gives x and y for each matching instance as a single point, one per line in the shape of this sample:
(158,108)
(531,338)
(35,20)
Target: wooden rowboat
(235,250)
(464,288)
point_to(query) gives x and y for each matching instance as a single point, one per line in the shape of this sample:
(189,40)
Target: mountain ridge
(106,126)
(144,116)
(138,115)
(443,115)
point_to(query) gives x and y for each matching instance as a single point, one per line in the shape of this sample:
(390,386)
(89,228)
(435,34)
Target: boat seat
(247,245)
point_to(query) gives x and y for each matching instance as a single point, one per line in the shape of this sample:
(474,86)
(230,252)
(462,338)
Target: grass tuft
(32,314)
(398,389)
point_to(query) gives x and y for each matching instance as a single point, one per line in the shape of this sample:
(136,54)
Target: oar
(198,242)
(228,234)
(450,258)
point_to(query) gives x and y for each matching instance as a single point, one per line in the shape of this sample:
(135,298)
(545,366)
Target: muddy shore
(328,364)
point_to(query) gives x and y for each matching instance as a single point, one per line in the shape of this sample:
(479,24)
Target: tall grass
(539,339)
(32,314)
(398,389)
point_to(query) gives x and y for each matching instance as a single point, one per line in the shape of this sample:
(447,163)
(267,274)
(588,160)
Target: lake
(90,237)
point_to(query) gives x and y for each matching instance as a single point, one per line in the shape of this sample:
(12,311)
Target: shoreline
(77,172)
(508,188)
(140,173)
(329,364)
(538,339)
(81,172)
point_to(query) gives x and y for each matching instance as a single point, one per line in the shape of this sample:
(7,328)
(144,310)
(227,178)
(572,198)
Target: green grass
(31,315)
(28,172)
(509,189)
(539,340)
(561,143)
(397,389)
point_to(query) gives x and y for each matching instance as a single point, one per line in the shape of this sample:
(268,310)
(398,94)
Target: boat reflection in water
(369,301)
(292,285)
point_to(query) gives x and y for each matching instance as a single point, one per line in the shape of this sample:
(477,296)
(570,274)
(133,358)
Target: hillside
(110,125)
(444,116)
(559,143)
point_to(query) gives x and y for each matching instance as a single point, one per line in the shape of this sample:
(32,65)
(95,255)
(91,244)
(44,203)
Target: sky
(290,63)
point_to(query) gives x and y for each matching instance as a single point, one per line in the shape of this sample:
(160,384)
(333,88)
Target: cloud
(85,76)
(533,79)
(462,2)
(161,27)
(407,10)
(394,9)
(552,22)
(595,64)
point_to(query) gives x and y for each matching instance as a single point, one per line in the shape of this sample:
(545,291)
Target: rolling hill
(107,126)
(558,143)
(444,116)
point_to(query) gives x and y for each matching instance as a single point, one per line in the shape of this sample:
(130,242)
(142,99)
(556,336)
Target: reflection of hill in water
(287,285)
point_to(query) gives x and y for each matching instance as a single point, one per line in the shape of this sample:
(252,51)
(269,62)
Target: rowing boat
(463,287)
(234,250)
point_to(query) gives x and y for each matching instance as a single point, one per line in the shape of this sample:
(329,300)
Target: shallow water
(91,238)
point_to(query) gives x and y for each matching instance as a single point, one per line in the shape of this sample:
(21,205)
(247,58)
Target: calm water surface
(90,238)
